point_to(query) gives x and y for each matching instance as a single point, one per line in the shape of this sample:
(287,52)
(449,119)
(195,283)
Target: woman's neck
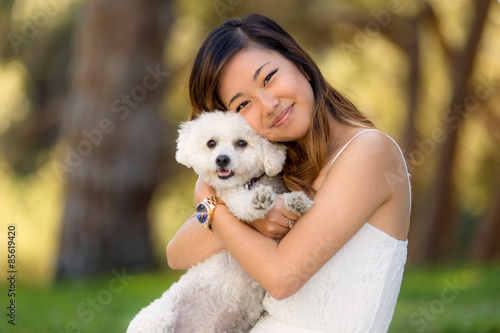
(339,134)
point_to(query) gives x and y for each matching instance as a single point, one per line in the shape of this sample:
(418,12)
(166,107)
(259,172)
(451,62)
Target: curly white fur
(217,295)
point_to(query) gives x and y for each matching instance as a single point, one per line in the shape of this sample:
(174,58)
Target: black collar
(251,182)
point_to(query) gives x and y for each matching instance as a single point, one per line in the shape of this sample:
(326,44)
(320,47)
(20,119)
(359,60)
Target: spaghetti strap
(348,142)
(374,130)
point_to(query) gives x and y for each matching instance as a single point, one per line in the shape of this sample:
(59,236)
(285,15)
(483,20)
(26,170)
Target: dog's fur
(217,295)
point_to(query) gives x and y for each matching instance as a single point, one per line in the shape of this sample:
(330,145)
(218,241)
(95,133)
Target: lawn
(449,299)
(104,304)
(446,299)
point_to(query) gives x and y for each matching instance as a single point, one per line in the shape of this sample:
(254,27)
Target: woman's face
(271,92)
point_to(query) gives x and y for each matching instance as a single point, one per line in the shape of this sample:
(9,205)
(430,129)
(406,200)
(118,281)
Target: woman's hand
(274,225)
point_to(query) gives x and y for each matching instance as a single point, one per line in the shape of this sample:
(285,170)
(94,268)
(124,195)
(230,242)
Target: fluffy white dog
(217,295)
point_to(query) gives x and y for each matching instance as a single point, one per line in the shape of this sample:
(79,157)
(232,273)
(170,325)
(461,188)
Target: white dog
(217,295)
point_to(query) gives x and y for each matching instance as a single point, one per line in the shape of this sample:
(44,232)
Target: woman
(339,269)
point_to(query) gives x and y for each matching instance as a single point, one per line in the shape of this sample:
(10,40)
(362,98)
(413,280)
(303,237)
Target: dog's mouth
(225,174)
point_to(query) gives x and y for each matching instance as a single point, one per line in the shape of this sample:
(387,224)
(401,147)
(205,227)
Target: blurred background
(92,93)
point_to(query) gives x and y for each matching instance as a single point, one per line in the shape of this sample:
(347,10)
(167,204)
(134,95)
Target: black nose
(222,160)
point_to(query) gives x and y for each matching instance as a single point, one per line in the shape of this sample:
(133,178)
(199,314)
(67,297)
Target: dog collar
(251,182)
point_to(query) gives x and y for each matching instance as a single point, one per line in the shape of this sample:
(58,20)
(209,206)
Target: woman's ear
(274,158)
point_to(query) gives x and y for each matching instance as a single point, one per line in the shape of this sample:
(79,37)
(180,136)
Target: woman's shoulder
(375,143)
(370,146)
(368,154)
(365,148)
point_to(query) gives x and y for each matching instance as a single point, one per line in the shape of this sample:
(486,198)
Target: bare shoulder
(365,165)
(375,148)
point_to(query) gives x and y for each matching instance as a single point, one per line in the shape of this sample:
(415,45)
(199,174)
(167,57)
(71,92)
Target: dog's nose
(222,160)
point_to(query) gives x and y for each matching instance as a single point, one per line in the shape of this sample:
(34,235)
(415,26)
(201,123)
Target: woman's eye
(241,143)
(211,144)
(241,106)
(266,80)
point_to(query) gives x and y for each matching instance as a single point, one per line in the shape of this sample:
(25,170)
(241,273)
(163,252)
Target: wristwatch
(205,210)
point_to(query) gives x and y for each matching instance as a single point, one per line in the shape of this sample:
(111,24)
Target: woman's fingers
(269,229)
(277,222)
(286,215)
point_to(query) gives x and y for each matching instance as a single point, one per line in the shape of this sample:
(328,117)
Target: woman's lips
(282,117)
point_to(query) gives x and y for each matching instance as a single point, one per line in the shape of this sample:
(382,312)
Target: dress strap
(348,142)
(375,130)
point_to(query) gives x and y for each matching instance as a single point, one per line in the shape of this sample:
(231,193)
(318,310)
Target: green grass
(104,304)
(107,304)
(450,299)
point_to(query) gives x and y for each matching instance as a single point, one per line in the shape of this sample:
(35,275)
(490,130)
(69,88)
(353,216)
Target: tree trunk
(485,245)
(439,215)
(113,137)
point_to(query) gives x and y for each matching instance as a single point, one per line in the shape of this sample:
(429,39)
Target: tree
(113,139)
(485,245)
(438,215)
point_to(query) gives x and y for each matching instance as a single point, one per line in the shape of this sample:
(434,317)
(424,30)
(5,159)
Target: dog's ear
(182,155)
(274,158)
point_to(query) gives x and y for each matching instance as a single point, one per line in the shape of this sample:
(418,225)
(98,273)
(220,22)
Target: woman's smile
(282,118)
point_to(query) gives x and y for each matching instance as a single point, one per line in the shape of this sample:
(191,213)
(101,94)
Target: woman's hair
(305,158)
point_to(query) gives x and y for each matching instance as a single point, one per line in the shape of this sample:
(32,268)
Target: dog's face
(225,151)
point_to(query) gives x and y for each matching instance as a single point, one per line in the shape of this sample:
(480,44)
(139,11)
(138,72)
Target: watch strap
(215,200)
(210,202)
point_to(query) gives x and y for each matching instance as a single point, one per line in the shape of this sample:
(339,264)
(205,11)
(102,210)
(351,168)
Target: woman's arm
(193,244)
(354,189)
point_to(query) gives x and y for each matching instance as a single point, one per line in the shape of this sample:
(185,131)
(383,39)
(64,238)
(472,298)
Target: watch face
(201,213)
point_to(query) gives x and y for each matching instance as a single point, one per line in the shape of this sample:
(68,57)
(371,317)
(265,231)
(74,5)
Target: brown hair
(305,158)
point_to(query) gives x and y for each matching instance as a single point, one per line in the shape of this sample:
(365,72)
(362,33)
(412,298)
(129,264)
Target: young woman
(339,269)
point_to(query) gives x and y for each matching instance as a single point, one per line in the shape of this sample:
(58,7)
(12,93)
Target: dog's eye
(211,144)
(241,143)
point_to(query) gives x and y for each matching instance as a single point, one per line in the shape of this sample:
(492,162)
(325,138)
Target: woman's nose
(269,103)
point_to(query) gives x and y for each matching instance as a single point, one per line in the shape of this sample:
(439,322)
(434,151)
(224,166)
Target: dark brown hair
(305,158)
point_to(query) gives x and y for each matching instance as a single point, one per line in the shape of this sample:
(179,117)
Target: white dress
(355,291)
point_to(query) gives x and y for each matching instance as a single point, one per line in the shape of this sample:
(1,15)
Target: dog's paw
(297,202)
(264,197)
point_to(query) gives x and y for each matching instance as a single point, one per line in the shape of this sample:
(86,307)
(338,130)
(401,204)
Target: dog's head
(225,151)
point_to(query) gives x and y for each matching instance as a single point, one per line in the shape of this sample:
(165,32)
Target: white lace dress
(355,291)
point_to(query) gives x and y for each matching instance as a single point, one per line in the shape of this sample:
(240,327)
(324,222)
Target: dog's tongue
(224,172)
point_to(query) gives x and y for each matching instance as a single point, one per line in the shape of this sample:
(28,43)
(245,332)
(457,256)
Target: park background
(92,93)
